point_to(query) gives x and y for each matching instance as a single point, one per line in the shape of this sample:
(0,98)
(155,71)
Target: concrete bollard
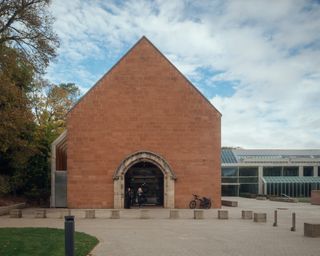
(40,213)
(311,230)
(69,235)
(275,223)
(198,214)
(115,214)
(246,215)
(223,215)
(15,213)
(144,214)
(293,228)
(64,213)
(174,214)
(90,214)
(260,217)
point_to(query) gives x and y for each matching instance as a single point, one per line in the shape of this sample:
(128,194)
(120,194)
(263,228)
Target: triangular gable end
(144,38)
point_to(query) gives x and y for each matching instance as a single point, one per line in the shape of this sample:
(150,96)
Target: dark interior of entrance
(150,178)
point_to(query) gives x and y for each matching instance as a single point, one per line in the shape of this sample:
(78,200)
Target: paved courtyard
(157,236)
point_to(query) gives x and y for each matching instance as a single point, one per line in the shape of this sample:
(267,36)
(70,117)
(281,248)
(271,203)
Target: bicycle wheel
(208,205)
(192,204)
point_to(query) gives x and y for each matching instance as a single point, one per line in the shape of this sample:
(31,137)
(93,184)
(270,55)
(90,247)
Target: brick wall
(142,103)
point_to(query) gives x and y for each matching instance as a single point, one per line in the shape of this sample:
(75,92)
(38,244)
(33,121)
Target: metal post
(293,228)
(69,235)
(275,223)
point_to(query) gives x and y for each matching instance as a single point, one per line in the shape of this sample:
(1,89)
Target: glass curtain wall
(239,181)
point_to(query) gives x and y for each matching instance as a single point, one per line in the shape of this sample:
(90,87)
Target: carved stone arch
(144,156)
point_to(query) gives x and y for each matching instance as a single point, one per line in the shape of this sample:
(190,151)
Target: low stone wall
(311,230)
(246,215)
(315,197)
(223,215)
(229,203)
(283,199)
(40,213)
(260,217)
(198,214)
(115,214)
(90,214)
(4,210)
(15,213)
(174,214)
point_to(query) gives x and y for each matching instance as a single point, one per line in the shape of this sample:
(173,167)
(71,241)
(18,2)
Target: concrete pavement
(130,236)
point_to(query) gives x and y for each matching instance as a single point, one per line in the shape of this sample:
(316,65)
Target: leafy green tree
(50,104)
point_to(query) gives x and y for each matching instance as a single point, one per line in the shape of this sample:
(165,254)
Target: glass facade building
(270,172)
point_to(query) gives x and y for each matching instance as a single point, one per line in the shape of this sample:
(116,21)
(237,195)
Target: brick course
(142,104)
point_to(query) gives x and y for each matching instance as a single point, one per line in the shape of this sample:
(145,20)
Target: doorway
(150,178)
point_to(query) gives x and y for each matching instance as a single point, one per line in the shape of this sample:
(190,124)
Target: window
(248,189)
(229,171)
(248,179)
(248,171)
(230,190)
(319,171)
(229,180)
(290,171)
(307,170)
(272,171)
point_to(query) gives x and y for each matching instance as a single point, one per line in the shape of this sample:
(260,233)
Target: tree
(51,104)
(26,25)
(17,125)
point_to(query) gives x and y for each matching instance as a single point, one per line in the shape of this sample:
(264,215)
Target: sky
(257,62)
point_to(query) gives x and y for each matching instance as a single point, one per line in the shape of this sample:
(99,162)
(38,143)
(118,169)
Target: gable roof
(143,38)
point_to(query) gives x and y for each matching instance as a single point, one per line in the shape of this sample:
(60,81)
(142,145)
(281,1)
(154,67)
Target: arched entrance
(150,178)
(138,166)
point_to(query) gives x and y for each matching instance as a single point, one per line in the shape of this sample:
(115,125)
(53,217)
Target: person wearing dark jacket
(128,198)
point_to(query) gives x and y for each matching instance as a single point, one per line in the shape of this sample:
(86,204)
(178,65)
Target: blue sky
(258,62)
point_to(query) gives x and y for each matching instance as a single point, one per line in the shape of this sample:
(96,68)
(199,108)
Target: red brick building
(142,124)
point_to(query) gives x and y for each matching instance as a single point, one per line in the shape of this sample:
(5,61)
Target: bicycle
(204,202)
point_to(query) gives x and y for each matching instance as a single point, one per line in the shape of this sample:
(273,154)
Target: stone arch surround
(144,156)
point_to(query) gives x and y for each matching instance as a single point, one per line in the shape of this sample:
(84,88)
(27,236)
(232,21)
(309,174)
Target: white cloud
(272,48)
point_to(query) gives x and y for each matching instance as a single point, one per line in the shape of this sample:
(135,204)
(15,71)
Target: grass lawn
(41,241)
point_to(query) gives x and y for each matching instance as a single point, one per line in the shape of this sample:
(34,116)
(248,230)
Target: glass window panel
(229,171)
(272,171)
(229,190)
(290,171)
(307,170)
(248,180)
(229,180)
(248,171)
(248,189)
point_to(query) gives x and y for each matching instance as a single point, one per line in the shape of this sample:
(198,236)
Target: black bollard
(293,228)
(69,235)
(275,223)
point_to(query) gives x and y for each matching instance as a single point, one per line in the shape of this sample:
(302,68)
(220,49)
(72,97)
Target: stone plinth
(115,214)
(246,215)
(229,203)
(15,213)
(144,214)
(260,217)
(40,213)
(223,215)
(198,214)
(315,197)
(311,230)
(90,214)
(174,214)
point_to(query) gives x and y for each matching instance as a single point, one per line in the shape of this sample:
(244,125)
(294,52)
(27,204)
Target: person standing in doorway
(128,198)
(139,195)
